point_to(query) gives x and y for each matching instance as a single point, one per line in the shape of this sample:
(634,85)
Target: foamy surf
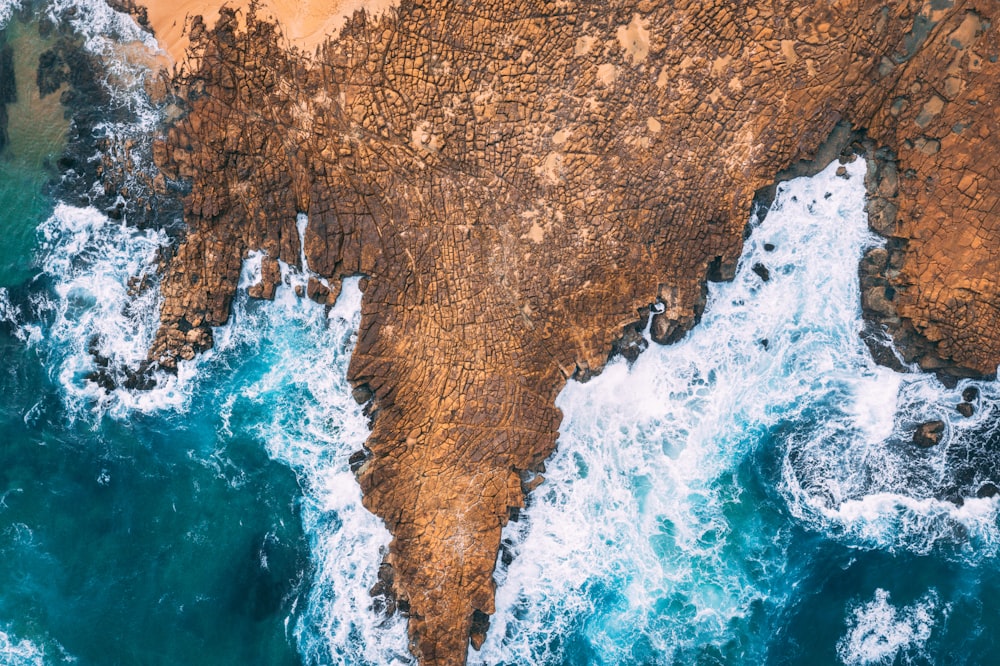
(309,421)
(15,652)
(637,545)
(7,9)
(879,632)
(649,542)
(104,304)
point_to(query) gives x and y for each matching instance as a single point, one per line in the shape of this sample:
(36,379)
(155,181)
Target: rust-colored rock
(519,180)
(938,196)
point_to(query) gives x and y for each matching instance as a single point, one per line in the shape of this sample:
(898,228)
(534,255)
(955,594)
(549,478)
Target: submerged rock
(928,434)
(987,490)
(8,88)
(762,272)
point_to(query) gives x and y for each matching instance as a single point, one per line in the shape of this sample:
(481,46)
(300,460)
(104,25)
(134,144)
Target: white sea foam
(7,9)
(104,29)
(90,261)
(301,222)
(310,421)
(631,542)
(880,633)
(14,652)
(23,330)
(639,534)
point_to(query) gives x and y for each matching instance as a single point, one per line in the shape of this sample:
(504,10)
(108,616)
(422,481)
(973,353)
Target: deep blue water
(719,501)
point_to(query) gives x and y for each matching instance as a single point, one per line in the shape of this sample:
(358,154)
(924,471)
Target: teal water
(745,496)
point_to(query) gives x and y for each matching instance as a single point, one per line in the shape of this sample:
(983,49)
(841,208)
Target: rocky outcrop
(520,181)
(934,193)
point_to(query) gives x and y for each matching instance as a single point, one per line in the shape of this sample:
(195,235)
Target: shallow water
(745,496)
(37,131)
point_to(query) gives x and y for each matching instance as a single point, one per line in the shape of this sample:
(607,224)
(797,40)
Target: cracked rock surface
(518,180)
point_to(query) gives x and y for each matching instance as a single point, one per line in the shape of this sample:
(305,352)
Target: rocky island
(522,185)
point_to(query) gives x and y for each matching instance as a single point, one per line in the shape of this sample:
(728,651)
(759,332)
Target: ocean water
(748,495)
(37,131)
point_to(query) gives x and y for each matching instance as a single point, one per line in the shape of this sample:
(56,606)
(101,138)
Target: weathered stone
(514,196)
(928,434)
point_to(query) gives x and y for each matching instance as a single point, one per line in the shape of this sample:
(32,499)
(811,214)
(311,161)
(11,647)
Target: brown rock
(928,434)
(514,198)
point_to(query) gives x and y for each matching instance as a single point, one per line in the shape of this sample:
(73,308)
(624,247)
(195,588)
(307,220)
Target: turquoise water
(745,496)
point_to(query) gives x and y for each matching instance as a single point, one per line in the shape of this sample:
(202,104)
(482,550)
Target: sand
(306,23)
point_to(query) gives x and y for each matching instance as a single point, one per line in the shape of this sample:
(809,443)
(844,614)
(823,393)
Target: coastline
(450,450)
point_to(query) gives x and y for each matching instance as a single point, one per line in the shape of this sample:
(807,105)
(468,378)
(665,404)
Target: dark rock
(52,72)
(965,409)
(480,625)
(357,459)
(955,497)
(720,270)
(8,84)
(362,394)
(880,346)
(769,247)
(664,330)
(987,490)
(761,270)
(928,434)
(632,343)
(970,394)
(139,379)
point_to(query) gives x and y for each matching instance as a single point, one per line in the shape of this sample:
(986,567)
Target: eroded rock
(517,184)
(928,434)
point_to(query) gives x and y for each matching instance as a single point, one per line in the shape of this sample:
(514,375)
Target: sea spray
(104,305)
(308,419)
(104,29)
(99,306)
(681,485)
(7,9)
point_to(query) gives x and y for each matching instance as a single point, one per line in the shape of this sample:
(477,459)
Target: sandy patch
(306,23)
(634,39)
